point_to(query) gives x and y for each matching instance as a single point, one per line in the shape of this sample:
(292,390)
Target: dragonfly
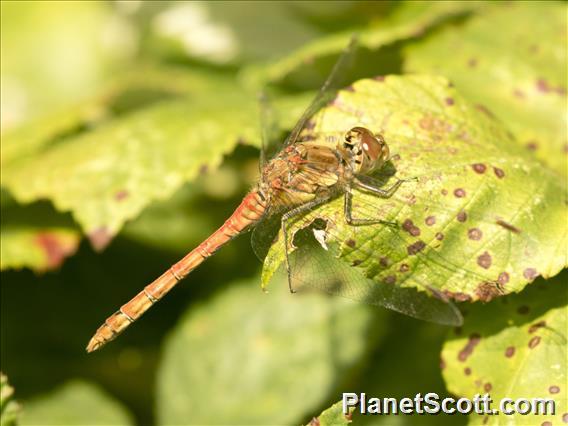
(303,175)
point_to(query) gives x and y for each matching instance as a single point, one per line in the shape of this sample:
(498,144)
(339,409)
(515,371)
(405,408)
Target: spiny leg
(383,193)
(287,216)
(372,186)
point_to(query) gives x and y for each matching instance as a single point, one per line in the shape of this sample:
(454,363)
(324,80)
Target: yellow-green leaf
(478,216)
(75,403)
(9,408)
(514,347)
(408,21)
(333,416)
(512,60)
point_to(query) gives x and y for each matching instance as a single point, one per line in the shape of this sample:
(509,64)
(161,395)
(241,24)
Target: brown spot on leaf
(472,62)
(457,296)
(565,418)
(409,227)
(499,172)
(530,273)
(484,260)
(404,268)
(459,192)
(379,78)
(416,247)
(485,110)
(532,145)
(350,88)
(487,291)
(542,85)
(472,342)
(356,262)
(487,387)
(534,342)
(314,422)
(479,168)
(510,351)
(430,220)
(442,363)
(425,123)
(553,389)
(439,236)
(391,279)
(474,234)
(350,243)
(449,101)
(546,423)
(467,371)
(536,326)
(508,226)
(444,192)
(503,278)
(384,261)
(462,216)
(523,310)
(100,238)
(203,169)
(56,248)
(121,195)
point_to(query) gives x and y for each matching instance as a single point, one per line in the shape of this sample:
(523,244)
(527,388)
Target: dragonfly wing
(265,233)
(326,92)
(315,265)
(269,130)
(442,246)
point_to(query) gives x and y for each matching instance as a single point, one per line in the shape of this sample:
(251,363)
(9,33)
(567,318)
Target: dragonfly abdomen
(249,212)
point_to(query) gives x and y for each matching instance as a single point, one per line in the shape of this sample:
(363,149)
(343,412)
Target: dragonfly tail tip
(93,345)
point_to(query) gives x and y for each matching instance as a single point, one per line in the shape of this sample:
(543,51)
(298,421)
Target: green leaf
(513,348)
(470,218)
(109,175)
(512,60)
(406,362)
(70,52)
(37,249)
(409,20)
(9,408)
(35,236)
(75,403)
(333,416)
(260,358)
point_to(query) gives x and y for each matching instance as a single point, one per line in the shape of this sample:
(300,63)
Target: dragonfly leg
(383,193)
(348,213)
(285,218)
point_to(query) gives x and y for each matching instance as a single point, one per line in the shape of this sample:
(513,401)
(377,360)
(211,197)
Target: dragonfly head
(367,151)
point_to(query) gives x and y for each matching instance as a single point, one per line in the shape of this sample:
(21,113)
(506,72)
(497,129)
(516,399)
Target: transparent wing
(268,130)
(314,265)
(441,247)
(265,233)
(327,91)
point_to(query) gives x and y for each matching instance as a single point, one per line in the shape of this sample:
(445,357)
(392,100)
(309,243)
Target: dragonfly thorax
(364,150)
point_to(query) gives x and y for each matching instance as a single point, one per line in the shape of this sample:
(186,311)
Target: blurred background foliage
(94,207)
